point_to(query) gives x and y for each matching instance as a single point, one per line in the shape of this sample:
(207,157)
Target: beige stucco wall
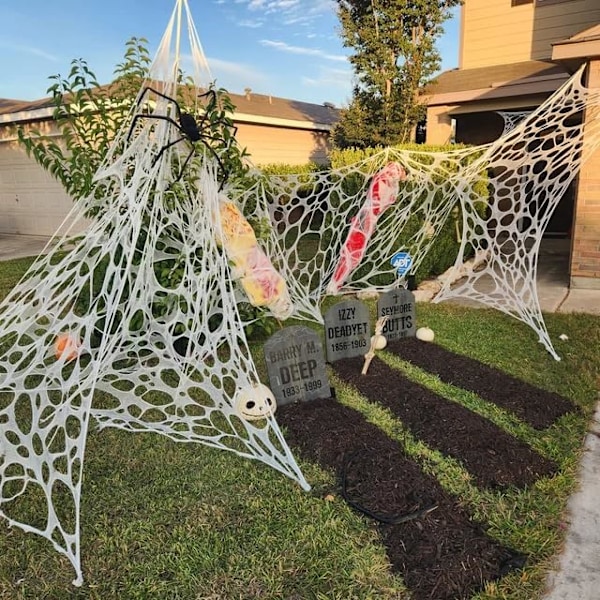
(439,125)
(494,32)
(268,145)
(32,202)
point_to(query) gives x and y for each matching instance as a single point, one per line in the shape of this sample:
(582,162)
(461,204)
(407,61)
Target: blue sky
(286,48)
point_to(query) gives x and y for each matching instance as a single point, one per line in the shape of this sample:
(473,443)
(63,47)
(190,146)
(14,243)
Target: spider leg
(220,165)
(185,163)
(135,119)
(209,94)
(143,94)
(158,118)
(212,102)
(166,147)
(141,115)
(155,91)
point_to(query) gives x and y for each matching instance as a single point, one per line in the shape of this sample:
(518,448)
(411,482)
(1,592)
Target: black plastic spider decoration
(191,130)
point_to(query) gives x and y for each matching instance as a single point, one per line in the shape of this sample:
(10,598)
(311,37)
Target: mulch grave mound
(533,405)
(494,458)
(441,554)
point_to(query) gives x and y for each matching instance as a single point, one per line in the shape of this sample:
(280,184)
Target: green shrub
(444,249)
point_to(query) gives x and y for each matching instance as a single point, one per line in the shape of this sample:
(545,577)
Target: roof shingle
(249,104)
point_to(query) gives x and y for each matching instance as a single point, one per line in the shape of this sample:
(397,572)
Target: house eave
(46,114)
(498,90)
(576,49)
(278,122)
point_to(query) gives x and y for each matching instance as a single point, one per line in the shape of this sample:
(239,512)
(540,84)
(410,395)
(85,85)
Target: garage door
(31,201)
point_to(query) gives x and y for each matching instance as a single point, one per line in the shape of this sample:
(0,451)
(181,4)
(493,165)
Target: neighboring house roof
(15,106)
(8,103)
(498,81)
(269,106)
(251,108)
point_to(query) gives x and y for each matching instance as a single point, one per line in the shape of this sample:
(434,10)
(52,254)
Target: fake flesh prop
(382,193)
(263,285)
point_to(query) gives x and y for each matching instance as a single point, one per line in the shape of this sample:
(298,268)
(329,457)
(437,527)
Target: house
(273,130)
(513,55)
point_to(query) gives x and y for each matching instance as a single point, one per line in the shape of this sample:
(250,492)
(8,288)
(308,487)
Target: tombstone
(296,365)
(347,330)
(399,305)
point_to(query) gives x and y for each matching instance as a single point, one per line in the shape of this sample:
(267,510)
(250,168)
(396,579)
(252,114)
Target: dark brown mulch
(492,456)
(442,555)
(533,405)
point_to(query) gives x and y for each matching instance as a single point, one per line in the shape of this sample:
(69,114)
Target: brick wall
(585,255)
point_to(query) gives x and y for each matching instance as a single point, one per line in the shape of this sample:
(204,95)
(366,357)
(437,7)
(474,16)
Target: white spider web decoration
(507,192)
(137,353)
(172,358)
(529,171)
(311,216)
(512,118)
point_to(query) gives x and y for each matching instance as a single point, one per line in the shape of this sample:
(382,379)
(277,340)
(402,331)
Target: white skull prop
(255,402)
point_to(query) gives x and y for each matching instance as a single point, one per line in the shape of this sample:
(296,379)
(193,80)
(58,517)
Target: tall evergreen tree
(394,57)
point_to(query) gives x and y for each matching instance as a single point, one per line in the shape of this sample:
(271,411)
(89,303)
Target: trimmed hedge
(445,247)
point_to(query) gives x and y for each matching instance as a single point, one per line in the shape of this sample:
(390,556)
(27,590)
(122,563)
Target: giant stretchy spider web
(503,193)
(136,323)
(94,330)
(528,172)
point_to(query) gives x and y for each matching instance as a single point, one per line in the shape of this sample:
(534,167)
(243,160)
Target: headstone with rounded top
(296,365)
(400,308)
(347,330)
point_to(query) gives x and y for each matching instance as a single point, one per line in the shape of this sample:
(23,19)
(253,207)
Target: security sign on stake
(401,261)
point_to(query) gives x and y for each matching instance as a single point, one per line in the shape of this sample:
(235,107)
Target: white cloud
(283,47)
(233,68)
(237,76)
(24,49)
(251,24)
(291,12)
(335,82)
(271,6)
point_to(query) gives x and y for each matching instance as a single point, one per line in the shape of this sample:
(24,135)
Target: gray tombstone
(399,305)
(347,330)
(296,365)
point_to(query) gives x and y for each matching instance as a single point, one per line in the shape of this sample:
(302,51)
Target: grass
(184,521)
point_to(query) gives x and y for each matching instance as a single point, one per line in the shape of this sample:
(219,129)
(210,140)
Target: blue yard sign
(401,261)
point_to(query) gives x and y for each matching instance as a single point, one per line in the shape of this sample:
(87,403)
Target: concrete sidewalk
(22,246)
(581,300)
(577,575)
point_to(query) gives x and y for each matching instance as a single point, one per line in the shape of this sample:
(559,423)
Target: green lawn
(167,520)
